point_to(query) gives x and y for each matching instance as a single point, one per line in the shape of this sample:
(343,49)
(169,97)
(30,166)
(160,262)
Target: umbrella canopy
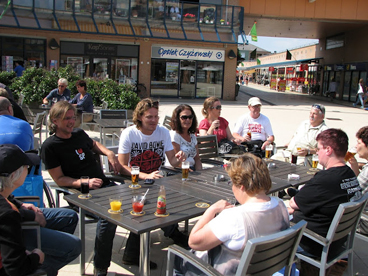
(211,68)
(188,68)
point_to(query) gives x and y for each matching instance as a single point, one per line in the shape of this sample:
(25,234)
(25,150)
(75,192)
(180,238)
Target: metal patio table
(180,207)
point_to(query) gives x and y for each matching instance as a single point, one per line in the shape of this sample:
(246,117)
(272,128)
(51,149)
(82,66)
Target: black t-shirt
(319,199)
(74,155)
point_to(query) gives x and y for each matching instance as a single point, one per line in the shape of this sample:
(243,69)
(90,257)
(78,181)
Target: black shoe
(281,194)
(292,192)
(180,238)
(99,272)
(128,261)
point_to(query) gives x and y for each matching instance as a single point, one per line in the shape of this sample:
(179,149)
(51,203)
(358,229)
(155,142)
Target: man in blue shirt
(18,68)
(12,129)
(61,93)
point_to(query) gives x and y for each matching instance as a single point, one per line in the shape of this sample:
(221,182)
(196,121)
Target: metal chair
(262,256)
(37,129)
(90,124)
(208,150)
(342,226)
(121,114)
(167,121)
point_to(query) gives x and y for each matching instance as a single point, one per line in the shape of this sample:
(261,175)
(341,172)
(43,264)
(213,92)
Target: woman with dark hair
(184,125)
(227,227)
(83,102)
(213,124)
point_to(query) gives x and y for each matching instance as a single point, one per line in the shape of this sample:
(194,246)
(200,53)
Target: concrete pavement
(286,110)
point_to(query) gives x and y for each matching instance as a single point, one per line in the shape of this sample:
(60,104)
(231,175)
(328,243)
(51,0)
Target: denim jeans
(57,240)
(359,98)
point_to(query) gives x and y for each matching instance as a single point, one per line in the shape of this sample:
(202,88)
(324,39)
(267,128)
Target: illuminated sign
(187,53)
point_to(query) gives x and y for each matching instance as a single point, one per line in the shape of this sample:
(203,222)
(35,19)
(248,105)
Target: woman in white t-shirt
(184,125)
(225,229)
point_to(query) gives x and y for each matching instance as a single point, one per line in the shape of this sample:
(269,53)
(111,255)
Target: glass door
(100,68)
(187,78)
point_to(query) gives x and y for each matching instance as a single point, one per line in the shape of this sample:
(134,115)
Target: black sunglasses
(184,117)
(218,107)
(154,104)
(318,107)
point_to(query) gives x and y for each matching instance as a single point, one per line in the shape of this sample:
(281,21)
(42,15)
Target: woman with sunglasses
(184,125)
(224,229)
(213,124)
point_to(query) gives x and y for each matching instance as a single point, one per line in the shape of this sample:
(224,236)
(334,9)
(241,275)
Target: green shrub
(7,77)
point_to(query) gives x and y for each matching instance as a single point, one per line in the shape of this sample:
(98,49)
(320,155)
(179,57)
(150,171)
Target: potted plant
(189,17)
(200,20)
(222,21)
(206,19)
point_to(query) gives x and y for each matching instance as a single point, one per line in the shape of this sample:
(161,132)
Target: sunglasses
(218,107)
(61,85)
(184,117)
(318,107)
(154,104)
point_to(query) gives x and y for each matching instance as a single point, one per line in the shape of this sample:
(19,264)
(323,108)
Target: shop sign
(289,70)
(187,53)
(282,85)
(273,84)
(100,49)
(301,80)
(339,67)
(294,79)
(303,67)
(328,68)
(271,69)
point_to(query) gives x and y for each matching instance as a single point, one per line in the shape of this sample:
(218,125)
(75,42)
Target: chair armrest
(192,259)
(313,236)
(28,198)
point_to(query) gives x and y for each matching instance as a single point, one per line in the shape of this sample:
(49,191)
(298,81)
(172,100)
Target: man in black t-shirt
(68,155)
(319,199)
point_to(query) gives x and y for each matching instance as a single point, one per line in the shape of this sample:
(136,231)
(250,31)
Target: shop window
(124,70)
(209,79)
(164,77)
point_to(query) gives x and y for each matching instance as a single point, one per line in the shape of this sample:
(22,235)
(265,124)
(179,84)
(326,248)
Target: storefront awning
(284,63)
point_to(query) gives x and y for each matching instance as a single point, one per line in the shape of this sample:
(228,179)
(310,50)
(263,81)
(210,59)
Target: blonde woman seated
(225,229)
(184,125)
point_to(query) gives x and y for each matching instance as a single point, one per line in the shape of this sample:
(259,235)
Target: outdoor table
(180,206)
(109,123)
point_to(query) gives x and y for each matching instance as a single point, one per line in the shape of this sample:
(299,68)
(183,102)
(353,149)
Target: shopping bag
(32,186)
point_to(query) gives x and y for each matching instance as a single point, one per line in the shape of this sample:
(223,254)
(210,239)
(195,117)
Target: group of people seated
(68,155)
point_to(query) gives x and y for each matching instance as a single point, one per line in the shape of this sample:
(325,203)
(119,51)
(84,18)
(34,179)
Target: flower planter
(188,19)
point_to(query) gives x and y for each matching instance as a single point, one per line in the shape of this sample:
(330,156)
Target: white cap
(254,101)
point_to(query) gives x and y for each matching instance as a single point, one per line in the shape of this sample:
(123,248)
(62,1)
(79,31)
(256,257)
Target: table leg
(102,142)
(144,258)
(82,258)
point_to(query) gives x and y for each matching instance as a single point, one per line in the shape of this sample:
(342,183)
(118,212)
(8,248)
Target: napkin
(293,176)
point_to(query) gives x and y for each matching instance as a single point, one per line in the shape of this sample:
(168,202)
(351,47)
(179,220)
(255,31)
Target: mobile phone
(149,181)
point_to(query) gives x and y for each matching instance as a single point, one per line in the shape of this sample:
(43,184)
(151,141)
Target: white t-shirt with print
(188,147)
(146,151)
(261,127)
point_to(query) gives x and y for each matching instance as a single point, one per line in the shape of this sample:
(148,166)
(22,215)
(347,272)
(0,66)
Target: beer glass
(268,151)
(314,162)
(84,187)
(135,176)
(249,133)
(185,170)
(350,153)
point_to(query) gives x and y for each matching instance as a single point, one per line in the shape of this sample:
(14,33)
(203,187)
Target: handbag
(32,186)
(226,146)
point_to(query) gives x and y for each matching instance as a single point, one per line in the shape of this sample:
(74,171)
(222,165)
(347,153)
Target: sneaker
(99,271)
(179,238)
(354,104)
(135,261)
(282,194)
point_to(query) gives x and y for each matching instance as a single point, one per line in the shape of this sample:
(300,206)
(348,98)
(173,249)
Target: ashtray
(271,166)
(219,177)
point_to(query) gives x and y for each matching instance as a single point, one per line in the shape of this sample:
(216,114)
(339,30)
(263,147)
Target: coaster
(311,172)
(162,215)
(137,215)
(85,196)
(135,186)
(115,212)
(202,205)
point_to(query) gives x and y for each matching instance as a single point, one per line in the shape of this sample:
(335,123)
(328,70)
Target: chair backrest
(269,254)
(104,105)
(345,220)
(167,122)
(207,146)
(21,99)
(38,122)
(114,114)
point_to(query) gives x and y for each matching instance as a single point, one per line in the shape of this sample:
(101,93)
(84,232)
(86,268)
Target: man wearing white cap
(254,125)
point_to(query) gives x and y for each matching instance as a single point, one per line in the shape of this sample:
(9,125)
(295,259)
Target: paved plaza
(286,110)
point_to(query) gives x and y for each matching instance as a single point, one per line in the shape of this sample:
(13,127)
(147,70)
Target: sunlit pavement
(286,110)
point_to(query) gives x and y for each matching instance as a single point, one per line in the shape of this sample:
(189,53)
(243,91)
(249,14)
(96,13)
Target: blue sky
(279,44)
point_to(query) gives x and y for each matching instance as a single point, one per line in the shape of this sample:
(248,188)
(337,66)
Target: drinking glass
(54,100)
(84,187)
(137,205)
(315,161)
(115,204)
(135,176)
(185,170)
(269,149)
(294,157)
(350,153)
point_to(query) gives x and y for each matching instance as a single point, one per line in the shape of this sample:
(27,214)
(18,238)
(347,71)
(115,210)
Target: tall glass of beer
(135,176)
(268,151)
(350,153)
(185,170)
(315,161)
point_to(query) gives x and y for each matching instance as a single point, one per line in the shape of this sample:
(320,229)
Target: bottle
(161,201)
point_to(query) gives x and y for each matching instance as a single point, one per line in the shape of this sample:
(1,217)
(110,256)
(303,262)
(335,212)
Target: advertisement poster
(76,63)
(273,84)
(172,71)
(122,70)
(53,64)
(282,85)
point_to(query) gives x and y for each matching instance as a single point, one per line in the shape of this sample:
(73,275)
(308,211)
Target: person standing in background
(360,94)
(19,68)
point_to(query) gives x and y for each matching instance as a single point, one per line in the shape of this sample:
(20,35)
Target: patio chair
(262,256)
(342,226)
(208,150)
(121,114)
(90,124)
(167,121)
(37,129)
(359,235)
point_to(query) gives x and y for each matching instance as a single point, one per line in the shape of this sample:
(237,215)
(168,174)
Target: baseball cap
(12,158)
(254,101)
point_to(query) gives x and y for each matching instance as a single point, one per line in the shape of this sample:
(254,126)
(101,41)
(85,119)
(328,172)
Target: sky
(279,44)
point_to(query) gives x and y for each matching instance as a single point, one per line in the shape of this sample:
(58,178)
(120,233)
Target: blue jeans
(359,98)
(57,240)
